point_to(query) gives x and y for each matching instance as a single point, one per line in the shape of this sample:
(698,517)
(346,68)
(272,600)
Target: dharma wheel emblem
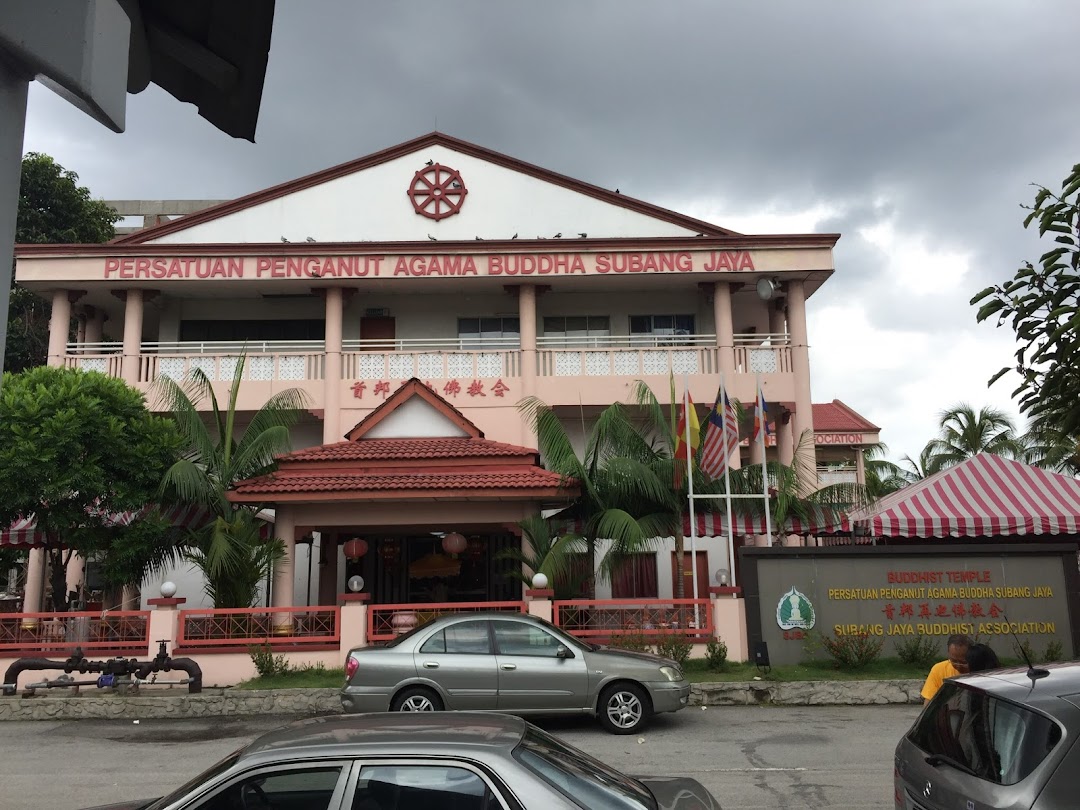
(437,191)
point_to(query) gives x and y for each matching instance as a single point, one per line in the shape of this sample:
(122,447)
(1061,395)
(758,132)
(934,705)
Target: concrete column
(757,454)
(95,325)
(80,327)
(353,623)
(784,445)
(35,581)
(540,603)
(803,418)
(76,568)
(527,325)
(133,323)
(164,623)
(59,327)
(285,529)
(860,466)
(729,619)
(13,88)
(332,381)
(725,332)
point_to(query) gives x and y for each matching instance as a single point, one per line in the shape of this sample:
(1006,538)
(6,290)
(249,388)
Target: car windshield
(585,781)
(997,740)
(208,775)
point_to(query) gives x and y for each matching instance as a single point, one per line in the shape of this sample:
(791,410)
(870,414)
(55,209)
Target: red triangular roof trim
(393,152)
(837,416)
(409,389)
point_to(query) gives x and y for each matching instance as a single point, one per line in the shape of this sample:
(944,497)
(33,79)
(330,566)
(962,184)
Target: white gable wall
(372,205)
(415,419)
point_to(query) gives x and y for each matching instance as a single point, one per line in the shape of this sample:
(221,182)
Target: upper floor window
(666,329)
(251,331)
(577,330)
(489,333)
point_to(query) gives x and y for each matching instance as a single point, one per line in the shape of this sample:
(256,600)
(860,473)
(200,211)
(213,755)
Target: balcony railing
(441,358)
(837,475)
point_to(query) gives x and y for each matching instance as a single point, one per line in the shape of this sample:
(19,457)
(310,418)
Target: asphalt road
(751,758)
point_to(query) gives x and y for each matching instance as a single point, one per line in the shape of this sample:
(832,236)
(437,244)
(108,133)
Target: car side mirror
(562,651)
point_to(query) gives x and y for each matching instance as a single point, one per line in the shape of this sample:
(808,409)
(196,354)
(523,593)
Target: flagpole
(690,485)
(727,484)
(764,470)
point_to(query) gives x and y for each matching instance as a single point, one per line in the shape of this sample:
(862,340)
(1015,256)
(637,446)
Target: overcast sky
(912,127)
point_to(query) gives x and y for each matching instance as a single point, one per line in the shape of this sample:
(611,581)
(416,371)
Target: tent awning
(983,496)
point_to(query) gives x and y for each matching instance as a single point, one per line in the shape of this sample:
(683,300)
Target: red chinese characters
(499,388)
(476,389)
(358,389)
(452,388)
(889,611)
(382,387)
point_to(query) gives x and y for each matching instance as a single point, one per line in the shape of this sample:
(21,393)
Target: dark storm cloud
(934,115)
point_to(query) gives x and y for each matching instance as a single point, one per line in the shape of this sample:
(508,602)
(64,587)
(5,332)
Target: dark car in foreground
(511,663)
(999,740)
(443,761)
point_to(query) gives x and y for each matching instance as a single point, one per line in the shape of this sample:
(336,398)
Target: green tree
(882,476)
(76,449)
(622,500)
(547,552)
(227,548)
(925,465)
(965,432)
(1050,447)
(1041,304)
(53,209)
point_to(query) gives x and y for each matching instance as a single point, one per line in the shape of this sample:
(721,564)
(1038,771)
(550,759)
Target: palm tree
(882,476)
(227,548)
(547,553)
(926,465)
(1050,447)
(622,500)
(965,433)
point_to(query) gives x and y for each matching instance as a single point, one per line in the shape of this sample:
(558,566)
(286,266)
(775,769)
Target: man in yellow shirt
(955,664)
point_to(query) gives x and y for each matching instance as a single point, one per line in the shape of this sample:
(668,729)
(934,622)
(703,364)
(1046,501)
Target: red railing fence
(233,627)
(386,622)
(116,631)
(605,618)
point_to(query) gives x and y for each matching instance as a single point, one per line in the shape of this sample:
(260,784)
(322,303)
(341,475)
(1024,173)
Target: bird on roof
(479,239)
(514,236)
(616,191)
(430,163)
(283,239)
(583,234)
(432,238)
(311,239)
(558,235)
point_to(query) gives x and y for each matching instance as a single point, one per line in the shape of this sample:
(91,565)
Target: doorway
(688,575)
(378,328)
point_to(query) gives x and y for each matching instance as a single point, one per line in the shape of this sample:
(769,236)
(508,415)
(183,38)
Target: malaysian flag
(721,437)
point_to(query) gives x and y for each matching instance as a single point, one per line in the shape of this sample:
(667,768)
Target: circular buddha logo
(437,191)
(795,611)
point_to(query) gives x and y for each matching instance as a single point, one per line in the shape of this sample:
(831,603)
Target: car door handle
(509,666)
(431,665)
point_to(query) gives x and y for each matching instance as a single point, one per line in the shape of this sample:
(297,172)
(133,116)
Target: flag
(721,437)
(682,452)
(761,417)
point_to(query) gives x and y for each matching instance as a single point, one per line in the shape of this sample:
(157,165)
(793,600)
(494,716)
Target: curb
(177,704)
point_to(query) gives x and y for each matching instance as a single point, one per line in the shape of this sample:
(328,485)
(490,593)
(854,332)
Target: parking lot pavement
(751,758)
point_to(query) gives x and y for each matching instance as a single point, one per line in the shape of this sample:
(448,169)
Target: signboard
(897,592)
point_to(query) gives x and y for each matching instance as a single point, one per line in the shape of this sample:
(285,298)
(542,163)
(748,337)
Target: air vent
(377,312)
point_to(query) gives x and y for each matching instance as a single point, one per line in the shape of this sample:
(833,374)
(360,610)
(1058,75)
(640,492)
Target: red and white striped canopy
(25,532)
(983,496)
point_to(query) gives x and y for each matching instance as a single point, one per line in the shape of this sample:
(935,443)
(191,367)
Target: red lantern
(356,548)
(454,543)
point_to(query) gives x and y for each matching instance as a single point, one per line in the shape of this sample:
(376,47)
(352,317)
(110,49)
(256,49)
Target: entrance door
(688,575)
(379,328)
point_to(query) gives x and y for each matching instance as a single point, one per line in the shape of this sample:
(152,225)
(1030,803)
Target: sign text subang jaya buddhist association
(389,266)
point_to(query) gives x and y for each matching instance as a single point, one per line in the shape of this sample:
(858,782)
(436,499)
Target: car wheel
(624,708)
(416,699)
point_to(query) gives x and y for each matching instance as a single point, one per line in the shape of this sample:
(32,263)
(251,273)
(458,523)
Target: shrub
(1024,651)
(1055,651)
(675,647)
(716,655)
(918,650)
(630,640)
(266,663)
(854,651)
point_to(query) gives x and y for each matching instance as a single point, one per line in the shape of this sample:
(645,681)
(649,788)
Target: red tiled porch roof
(408,450)
(538,481)
(835,416)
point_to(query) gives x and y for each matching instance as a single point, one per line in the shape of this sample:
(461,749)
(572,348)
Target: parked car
(999,739)
(511,663)
(464,761)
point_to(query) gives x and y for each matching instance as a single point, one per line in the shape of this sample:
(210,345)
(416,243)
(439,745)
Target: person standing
(981,658)
(955,664)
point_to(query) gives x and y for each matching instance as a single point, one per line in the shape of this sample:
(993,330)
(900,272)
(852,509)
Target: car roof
(1046,693)
(360,734)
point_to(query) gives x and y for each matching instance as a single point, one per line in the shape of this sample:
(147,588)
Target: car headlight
(671,673)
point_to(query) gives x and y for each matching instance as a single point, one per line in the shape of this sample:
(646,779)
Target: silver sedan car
(421,762)
(511,663)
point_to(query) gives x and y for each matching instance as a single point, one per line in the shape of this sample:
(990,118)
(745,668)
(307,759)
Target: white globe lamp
(356,583)
(539,581)
(168,589)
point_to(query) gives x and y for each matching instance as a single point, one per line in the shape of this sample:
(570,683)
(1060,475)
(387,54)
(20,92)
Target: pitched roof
(837,417)
(538,481)
(408,450)
(982,496)
(407,390)
(393,152)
